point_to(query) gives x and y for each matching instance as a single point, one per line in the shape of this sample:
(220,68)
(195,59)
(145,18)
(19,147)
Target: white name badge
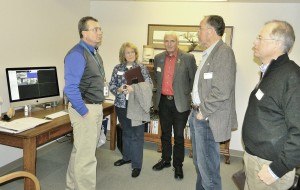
(208,75)
(120,73)
(259,94)
(106,91)
(158,69)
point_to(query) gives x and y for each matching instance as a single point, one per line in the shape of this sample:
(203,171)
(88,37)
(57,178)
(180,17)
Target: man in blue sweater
(84,87)
(271,129)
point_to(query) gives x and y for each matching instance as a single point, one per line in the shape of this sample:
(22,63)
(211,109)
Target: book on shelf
(187,133)
(151,127)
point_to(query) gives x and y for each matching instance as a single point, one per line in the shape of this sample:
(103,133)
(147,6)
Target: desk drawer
(53,134)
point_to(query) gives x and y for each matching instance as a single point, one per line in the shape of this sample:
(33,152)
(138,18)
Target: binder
(134,76)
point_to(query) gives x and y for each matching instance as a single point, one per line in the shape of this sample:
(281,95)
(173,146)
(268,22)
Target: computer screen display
(32,85)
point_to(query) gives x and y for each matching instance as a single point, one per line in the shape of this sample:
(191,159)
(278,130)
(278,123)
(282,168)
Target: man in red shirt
(174,74)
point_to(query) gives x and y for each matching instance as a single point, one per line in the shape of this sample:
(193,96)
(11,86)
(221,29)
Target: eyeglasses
(259,38)
(96,29)
(203,28)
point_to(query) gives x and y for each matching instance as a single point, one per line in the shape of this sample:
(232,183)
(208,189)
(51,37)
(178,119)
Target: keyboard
(56,115)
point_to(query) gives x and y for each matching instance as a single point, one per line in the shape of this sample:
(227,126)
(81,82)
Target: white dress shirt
(195,92)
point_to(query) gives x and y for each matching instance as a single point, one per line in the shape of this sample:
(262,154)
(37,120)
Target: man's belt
(169,97)
(90,102)
(195,107)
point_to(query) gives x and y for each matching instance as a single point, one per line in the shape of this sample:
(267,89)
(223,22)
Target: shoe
(135,172)
(121,162)
(178,174)
(161,165)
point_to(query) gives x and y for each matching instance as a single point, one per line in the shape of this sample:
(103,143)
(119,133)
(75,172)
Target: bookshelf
(153,134)
(155,137)
(152,130)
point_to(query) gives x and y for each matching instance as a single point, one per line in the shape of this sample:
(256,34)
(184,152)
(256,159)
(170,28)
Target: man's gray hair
(284,32)
(171,33)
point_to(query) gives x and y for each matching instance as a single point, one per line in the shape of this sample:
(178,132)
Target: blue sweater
(83,79)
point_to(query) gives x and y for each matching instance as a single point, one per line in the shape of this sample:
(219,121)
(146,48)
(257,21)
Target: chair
(20,174)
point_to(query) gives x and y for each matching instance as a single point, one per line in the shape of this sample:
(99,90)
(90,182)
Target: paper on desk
(22,124)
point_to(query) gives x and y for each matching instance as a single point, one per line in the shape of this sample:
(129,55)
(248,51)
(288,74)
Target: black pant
(169,116)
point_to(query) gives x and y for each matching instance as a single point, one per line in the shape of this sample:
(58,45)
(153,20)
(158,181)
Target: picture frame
(187,36)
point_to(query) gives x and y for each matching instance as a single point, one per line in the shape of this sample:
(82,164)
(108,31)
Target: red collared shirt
(169,69)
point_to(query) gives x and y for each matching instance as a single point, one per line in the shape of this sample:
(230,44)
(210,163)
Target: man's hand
(265,175)
(85,115)
(199,116)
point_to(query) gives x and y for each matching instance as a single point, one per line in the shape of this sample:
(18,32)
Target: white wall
(36,33)
(128,21)
(39,33)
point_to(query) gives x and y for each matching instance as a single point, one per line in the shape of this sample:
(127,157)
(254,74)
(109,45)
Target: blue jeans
(206,154)
(132,139)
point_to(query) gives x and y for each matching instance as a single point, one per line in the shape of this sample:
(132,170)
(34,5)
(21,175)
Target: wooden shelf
(155,138)
(152,137)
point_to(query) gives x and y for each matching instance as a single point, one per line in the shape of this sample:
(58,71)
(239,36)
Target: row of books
(152,128)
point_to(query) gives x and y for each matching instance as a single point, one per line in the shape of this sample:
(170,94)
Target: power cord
(66,138)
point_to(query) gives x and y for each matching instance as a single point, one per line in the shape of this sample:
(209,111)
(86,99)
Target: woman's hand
(129,88)
(125,89)
(122,89)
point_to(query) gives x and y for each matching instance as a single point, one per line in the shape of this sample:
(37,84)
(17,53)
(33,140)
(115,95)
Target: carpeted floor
(53,160)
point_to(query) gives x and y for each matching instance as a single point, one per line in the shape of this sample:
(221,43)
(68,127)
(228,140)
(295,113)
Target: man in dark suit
(213,110)
(174,74)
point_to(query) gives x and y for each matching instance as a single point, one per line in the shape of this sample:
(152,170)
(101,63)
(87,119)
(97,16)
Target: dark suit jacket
(217,94)
(183,80)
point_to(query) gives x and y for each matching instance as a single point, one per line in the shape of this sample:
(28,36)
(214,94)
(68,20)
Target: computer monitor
(32,85)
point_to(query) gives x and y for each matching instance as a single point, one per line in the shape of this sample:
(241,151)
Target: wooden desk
(31,139)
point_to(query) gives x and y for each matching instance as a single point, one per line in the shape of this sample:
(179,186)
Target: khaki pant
(81,173)
(253,165)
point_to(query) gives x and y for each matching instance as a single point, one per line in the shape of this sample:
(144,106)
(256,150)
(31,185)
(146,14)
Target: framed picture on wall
(188,38)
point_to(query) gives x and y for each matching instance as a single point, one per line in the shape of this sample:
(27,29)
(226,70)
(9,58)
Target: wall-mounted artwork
(188,39)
